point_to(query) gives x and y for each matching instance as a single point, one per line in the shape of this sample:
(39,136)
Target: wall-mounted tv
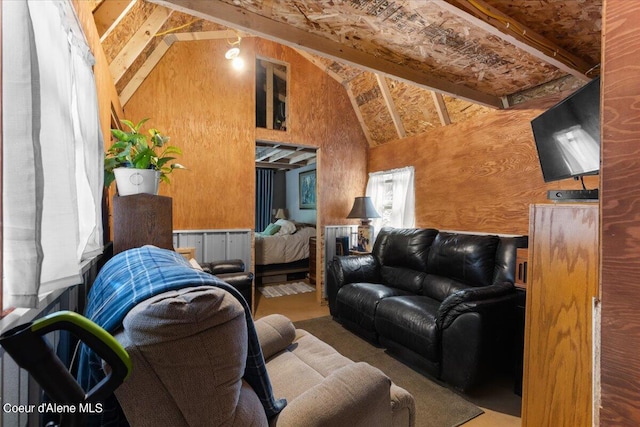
(567,135)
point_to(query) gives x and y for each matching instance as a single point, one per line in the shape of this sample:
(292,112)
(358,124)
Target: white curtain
(52,151)
(393,195)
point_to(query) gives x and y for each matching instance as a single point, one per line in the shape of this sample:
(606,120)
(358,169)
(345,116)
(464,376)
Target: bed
(287,245)
(284,251)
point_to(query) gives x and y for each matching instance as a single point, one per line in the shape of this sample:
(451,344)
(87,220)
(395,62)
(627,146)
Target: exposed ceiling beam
(157,54)
(138,42)
(108,15)
(315,61)
(145,69)
(237,17)
(441,108)
(356,109)
(278,165)
(263,153)
(280,154)
(490,19)
(301,157)
(391,106)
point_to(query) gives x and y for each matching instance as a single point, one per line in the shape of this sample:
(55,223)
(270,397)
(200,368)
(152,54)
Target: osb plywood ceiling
(407,65)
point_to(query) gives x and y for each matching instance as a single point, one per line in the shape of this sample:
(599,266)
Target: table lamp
(364,210)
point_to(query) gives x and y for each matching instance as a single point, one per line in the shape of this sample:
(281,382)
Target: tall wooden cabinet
(142,219)
(562,283)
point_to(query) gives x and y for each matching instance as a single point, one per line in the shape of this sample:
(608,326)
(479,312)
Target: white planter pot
(135,181)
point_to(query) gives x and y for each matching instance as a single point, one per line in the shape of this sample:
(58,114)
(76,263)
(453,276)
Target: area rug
(436,406)
(292,288)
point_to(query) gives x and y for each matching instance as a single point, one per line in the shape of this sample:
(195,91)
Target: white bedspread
(283,249)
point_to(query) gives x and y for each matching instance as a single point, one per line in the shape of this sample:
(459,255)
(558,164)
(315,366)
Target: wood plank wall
(620,236)
(478,175)
(208,110)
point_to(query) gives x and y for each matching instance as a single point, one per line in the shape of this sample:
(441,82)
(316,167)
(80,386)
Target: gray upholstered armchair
(189,348)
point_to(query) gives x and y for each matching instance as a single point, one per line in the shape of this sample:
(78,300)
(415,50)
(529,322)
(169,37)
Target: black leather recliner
(442,301)
(232,272)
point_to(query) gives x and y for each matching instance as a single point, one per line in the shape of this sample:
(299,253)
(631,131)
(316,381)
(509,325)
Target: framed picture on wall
(307,189)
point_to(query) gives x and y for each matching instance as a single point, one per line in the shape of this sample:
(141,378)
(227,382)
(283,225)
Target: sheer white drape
(52,150)
(393,195)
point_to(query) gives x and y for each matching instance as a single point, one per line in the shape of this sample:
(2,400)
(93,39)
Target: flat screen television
(567,136)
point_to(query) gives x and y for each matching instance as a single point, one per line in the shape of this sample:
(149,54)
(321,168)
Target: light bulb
(237,63)
(232,53)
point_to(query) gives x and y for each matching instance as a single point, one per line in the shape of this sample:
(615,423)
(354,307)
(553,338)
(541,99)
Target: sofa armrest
(275,333)
(224,266)
(355,395)
(239,281)
(350,269)
(473,299)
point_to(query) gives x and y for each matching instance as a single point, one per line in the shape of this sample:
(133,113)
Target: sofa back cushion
(457,261)
(402,254)
(403,278)
(404,247)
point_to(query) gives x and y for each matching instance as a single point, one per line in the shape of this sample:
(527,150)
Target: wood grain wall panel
(563,280)
(620,239)
(321,115)
(208,110)
(195,97)
(478,175)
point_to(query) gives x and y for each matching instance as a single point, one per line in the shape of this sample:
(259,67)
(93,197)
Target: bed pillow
(286,227)
(271,230)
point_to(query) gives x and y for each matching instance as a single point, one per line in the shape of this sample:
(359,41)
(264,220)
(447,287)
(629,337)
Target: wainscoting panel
(215,245)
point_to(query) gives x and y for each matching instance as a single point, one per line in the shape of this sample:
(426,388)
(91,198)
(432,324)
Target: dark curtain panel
(264,197)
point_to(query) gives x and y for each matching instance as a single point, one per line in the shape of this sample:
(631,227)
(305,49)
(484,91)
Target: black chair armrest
(224,266)
(241,281)
(473,299)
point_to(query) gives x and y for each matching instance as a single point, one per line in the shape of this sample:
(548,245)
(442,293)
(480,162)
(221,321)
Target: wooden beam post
(240,18)
(356,109)
(391,106)
(441,108)
(138,42)
(490,19)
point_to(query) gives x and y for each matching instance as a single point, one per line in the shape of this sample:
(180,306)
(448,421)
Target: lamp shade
(280,214)
(363,209)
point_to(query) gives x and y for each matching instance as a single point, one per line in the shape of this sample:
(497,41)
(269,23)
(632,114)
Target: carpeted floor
(293,288)
(436,406)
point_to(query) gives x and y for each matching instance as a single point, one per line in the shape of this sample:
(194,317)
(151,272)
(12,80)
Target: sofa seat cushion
(411,322)
(318,380)
(357,302)
(309,360)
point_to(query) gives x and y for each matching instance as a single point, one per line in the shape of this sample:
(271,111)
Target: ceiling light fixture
(233,54)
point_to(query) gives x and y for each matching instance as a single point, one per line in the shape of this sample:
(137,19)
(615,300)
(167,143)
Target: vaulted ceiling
(407,65)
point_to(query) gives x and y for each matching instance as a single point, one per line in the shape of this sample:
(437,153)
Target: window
(52,151)
(392,194)
(271,94)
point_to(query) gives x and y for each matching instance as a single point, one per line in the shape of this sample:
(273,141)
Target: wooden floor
(498,401)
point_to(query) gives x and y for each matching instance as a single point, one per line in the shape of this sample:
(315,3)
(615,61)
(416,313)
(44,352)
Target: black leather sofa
(444,302)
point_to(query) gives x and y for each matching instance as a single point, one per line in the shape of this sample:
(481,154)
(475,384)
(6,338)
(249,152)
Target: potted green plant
(138,162)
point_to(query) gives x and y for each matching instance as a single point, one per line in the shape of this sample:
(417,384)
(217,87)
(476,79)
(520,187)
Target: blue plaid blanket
(135,275)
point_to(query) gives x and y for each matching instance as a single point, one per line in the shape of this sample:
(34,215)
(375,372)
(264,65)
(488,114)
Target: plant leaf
(129,124)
